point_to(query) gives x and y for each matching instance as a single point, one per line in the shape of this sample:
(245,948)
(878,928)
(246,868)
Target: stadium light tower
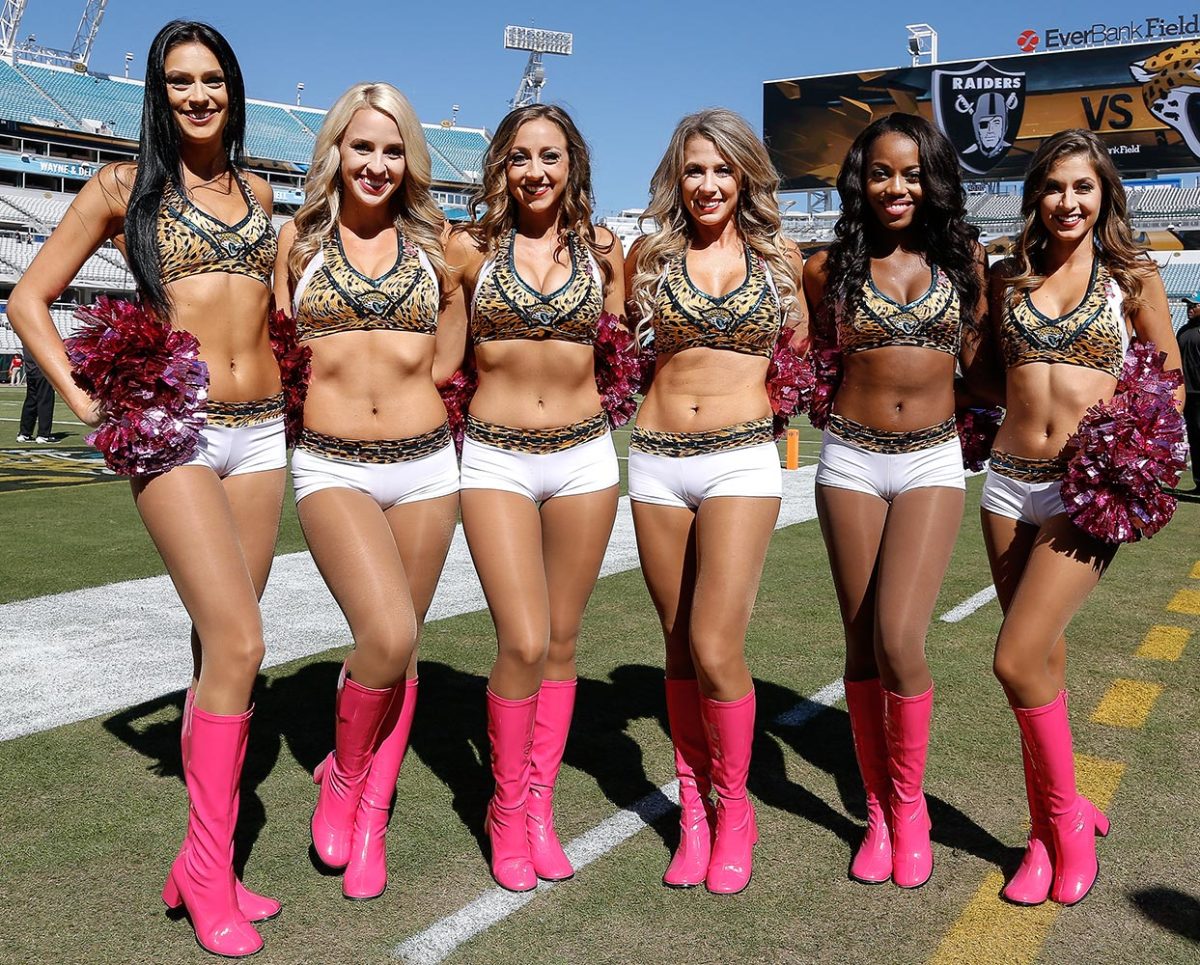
(922,44)
(77,56)
(537,42)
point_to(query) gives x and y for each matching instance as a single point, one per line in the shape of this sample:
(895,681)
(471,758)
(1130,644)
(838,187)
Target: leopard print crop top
(193,242)
(933,321)
(746,320)
(333,296)
(505,307)
(1092,334)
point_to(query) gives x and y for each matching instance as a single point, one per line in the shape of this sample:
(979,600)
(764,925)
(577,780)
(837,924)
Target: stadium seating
(272,132)
(20,101)
(110,101)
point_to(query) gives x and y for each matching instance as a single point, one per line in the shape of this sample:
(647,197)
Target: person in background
(39,404)
(16,370)
(1188,337)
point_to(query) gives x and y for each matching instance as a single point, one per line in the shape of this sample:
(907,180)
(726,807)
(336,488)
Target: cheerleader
(375,472)
(539,473)
(195,229)
(712,288)
(898,291)
(1061,312)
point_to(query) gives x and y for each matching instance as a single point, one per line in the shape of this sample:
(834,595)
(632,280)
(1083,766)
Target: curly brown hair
(500,209)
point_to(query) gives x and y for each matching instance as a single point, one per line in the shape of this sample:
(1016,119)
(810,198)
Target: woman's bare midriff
(898,388)
(535,385)
(699,389)
(1045,402)
(228,316)
(373,385)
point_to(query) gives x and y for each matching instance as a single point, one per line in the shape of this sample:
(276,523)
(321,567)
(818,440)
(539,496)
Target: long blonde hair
(417,215)
(1112,236)
(500,208)
(757,217)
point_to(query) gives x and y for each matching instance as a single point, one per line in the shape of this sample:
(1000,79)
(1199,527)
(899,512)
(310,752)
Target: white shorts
(540,463)
(684,468)
(242,437)
(392,472)
(1027,490)
(885,464)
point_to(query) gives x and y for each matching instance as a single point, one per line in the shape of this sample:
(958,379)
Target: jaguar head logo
(1171,89)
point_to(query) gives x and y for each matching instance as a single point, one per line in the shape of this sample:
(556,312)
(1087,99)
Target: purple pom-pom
(149,380)
(977,430)
(790,382)
(457,392)
(826,361)
(1125,451)
(295,369)
(619,369)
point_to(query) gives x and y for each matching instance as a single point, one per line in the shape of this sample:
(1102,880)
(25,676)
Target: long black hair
(940,218)
(158,152)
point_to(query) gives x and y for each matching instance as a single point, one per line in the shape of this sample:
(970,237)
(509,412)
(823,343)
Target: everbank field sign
(1066,37)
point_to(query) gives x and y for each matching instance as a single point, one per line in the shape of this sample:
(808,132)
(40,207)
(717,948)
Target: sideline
(72,656)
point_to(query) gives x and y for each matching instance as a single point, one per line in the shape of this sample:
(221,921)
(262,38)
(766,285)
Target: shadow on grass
(159,741)
(450,737)
(824,740)
(1174,910)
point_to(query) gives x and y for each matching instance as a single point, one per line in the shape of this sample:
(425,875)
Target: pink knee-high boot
(730,729)
(366,874)
(1074,820)
(202,878)
(906,727)
(552,723)
(872,862)
(510,731)
(1030,885)
(359,711)
(697,817)
(254,907)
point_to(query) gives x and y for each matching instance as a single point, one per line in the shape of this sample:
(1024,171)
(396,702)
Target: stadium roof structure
(101,106)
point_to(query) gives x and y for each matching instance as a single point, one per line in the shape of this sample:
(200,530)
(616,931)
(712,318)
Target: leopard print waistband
(239,415)
(376,451)
(682,444)
(1028,470)
(890,441)
(537,441)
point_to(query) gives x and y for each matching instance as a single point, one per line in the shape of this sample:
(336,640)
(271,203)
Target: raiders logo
(1171,89)
(979,110)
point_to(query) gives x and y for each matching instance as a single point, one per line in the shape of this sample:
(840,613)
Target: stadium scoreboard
(1142,99)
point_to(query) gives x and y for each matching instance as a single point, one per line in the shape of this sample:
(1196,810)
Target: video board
(1142,99)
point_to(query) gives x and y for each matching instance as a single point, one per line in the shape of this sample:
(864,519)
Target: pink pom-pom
(1125,451)
(826,361)
(295,369)
(457,392)
(149,380)
(619,369)
(790,382)
(977,430)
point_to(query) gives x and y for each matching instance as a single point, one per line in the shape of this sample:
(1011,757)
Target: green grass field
(93,812)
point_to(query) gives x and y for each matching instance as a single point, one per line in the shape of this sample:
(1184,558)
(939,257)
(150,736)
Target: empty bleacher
(91,97)
(20,101)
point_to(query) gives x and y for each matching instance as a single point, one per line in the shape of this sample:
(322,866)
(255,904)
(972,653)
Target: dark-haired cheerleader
(196,231)
(899,292)
(1061,309)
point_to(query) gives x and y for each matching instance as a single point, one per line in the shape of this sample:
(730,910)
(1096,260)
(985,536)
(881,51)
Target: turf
(92,812)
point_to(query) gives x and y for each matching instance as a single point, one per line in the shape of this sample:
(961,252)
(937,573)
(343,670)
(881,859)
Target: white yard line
(442,938)
(72,656)
(969,605)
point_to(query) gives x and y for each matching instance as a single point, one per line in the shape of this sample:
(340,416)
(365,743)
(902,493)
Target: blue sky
(638,64)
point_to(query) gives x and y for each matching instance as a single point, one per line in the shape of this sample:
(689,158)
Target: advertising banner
(1142,99)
